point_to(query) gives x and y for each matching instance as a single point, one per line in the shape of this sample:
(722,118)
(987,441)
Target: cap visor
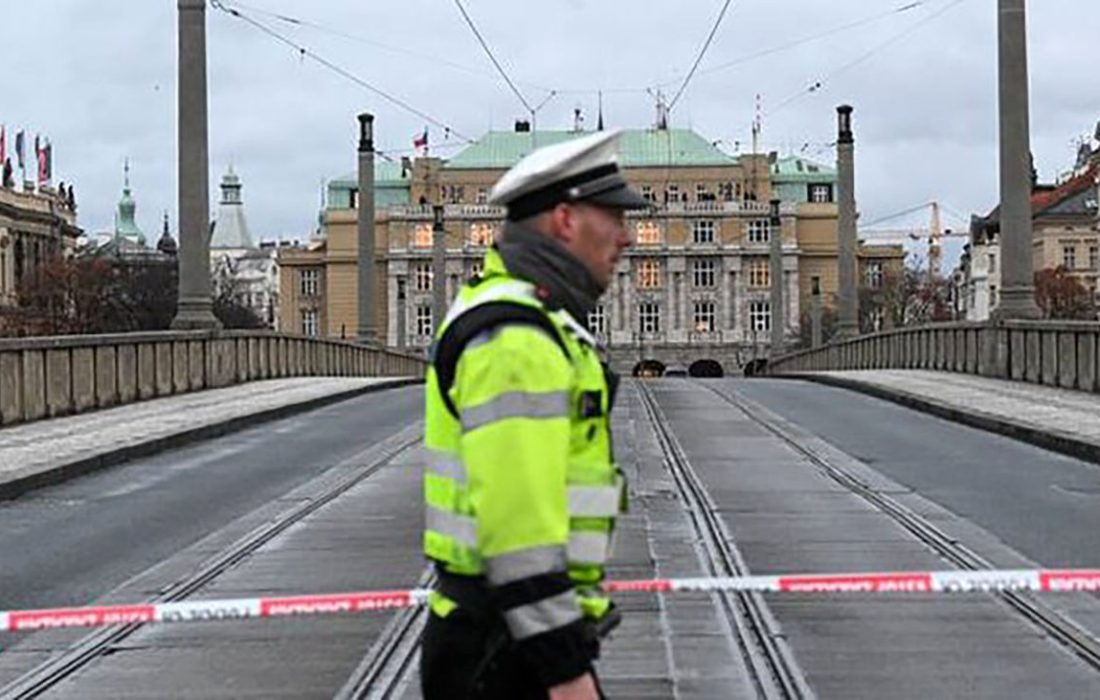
(619,198)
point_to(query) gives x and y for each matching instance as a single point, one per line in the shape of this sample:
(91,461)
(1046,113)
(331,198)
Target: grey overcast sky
(98,78)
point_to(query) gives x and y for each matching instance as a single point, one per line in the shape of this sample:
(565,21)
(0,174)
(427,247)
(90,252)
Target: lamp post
(439,267)
(775,255)
(368,325)
(848,299)
(815,313)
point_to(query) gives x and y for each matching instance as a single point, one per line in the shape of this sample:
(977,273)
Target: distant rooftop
(797,169)
(639,148)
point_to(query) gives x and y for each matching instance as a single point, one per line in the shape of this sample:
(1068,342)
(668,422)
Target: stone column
(1017,294)
(439,267)
(847,297)
(775,256)
(368,313)
(195,310)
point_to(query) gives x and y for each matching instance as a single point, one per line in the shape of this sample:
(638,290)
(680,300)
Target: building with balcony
(694,286)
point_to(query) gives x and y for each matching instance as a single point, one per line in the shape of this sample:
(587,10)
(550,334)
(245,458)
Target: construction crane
(934,234)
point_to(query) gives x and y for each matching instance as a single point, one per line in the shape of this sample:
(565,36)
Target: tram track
(97,644)
(767,655)
(389,667)
(1053,623)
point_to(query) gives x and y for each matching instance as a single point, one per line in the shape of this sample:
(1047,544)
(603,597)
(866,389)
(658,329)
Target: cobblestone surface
(1058,411)
(42,446)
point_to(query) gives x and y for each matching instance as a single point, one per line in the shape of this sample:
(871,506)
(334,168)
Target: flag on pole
(49,160)
(20,150)
(41,154)
(420,141)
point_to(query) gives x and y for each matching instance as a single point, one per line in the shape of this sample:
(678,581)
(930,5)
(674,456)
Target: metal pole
(1017,298)
(775,254)
(815,314)
(848,301)
(439,267)
(368,312)
(195,309)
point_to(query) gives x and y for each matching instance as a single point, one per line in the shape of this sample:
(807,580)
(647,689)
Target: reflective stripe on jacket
(521,486)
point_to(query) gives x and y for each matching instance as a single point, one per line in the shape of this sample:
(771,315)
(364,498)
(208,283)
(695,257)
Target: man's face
(595,235)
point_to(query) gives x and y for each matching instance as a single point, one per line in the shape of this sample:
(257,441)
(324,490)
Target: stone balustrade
(55,376)
(1055,353)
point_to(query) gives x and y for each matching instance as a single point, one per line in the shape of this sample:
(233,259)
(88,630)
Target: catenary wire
(702,52)
(343,72)
(489,53)
(819,85)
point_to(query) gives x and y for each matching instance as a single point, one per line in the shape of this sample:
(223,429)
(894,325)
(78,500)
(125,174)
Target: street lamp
(775,254)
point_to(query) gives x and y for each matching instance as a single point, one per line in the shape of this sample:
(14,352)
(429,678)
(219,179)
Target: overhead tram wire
(699,58)
(747,58)
(489,53)
(820,85)
(307,53)
(358,38)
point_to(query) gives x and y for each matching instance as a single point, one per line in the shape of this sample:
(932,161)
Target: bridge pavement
(50,451)
(1063,420)
(785,515)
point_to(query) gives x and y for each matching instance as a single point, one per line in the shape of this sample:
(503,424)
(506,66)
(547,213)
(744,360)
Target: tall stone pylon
(848,296)
(1017,297)
(775,273)
(195,309)
(368,311)
(439,266)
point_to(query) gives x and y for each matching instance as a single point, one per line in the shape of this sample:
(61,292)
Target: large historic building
(694,286)
(33,227)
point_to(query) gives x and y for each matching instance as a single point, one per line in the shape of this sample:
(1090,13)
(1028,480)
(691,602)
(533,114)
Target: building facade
(238,266)
(1065,234)
(34,225)
(696,284)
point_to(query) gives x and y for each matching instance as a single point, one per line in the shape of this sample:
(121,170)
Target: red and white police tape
(1037,580)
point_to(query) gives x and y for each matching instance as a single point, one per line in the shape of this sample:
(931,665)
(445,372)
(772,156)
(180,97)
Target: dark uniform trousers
(463,658)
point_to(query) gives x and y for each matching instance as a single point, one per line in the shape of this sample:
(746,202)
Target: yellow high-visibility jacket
(521,489)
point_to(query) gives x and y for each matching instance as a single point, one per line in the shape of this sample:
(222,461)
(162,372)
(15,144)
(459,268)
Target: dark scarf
(538,258)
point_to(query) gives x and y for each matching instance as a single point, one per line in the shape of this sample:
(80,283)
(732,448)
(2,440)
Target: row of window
(672,194)
(726,192)
(702,232)
(704,317)
(1069,257)
(648,273)
(647,233)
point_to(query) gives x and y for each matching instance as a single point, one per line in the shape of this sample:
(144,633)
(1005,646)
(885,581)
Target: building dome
(231,227)
(125,222)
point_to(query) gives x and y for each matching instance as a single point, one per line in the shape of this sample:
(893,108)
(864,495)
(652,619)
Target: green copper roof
(795,169)
(391,187)
(125,223)
(638,149)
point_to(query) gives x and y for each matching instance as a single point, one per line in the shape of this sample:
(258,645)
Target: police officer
(521,486)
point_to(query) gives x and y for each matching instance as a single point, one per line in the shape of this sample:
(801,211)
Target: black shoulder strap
(472,324)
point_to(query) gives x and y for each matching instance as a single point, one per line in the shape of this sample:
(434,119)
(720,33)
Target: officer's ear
(564,223)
